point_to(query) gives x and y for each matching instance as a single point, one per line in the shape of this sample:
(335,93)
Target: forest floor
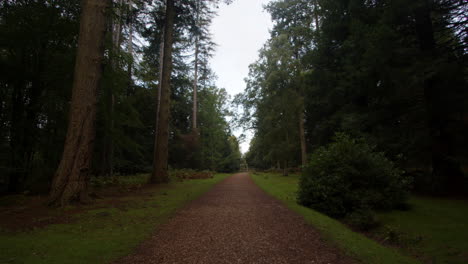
(233,222)
(432,230)
(124,214)
(236,222)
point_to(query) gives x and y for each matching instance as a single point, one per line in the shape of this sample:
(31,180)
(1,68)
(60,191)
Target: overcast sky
(239,30)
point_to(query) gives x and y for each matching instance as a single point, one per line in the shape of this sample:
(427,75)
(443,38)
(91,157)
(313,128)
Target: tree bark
(195,86)
(71,178)
(161,152)
(195,77)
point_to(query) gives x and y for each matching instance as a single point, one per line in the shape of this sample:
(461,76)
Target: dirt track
(236,222)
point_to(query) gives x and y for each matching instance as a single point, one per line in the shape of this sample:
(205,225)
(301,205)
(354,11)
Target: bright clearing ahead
(240,30)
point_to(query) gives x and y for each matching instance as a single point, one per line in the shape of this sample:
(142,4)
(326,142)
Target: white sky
(239,30)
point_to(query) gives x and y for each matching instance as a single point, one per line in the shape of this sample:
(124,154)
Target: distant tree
(203,48)
(389,71)
(37,58)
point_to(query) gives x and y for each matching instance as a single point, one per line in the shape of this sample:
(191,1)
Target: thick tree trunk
(71,178)
(302,139)
(161,152)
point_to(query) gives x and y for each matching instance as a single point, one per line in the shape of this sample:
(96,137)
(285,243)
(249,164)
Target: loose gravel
(236,222)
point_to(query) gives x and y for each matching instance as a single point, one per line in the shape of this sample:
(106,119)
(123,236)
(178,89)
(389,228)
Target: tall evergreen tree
(71,179)
(160,163)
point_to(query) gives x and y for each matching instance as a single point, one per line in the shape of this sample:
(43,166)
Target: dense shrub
(347,177)
(362,219)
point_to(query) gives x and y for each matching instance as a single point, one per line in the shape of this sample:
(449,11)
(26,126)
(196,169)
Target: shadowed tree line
(97,88)
(391,71)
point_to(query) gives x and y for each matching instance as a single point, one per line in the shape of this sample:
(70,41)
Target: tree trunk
(117,26)
(195,77)
(444,168)
(161,152)
(317,26)
(285,169)
(71,178)
(130,48)
(302,138)
(195,85)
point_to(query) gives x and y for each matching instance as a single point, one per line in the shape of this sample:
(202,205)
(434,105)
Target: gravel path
(236,222)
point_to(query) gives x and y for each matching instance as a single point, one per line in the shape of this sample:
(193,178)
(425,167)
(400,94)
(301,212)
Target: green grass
(101,235)
(435,229)
(354,244)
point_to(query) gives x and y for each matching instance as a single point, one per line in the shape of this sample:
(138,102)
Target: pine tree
(71,179)
(160,162)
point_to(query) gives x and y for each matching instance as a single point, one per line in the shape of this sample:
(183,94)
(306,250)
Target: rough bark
(161,152)
(71,178)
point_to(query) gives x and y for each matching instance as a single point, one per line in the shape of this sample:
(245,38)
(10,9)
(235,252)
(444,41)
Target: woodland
(358,111)
(84,100)
(393,73)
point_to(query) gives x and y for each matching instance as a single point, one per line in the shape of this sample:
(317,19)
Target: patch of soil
(32,212)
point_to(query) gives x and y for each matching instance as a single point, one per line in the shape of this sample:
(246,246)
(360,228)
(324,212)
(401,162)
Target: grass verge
(434,229)
(355,244)
(99,235)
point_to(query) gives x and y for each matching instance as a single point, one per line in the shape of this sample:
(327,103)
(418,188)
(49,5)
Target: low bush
(362,219)
(348,177)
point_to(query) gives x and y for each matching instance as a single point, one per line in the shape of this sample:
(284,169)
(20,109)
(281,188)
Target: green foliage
(347,177)
(104,234)
(390,70)
(37,52)
(119,180)
(357,245)
(37,55)
(434,228)
(362,219)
